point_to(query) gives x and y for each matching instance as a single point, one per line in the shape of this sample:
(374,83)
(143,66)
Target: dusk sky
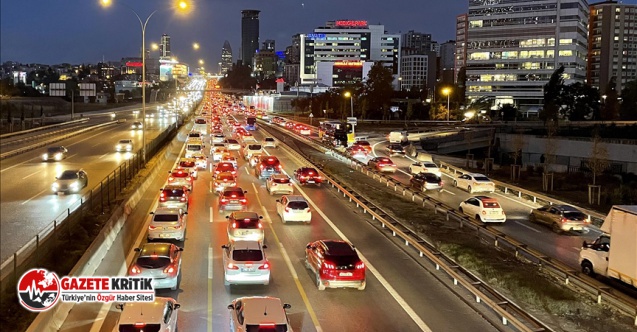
(81,31)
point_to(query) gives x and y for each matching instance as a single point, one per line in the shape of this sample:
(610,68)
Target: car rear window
(196,135)
(200,121)
(254,147)
(124,141)
(236,194)
(247,255)
(343,261)
(298,205)
(54,150)
(139,328)
(166,217)
(247,223)
(574,215)
(270,161)
(364,143)
(267,328)
(174,192)
(482,179)
(150,262)
(187,163)
(431,165)
(193,147)
(432,178)
(281,180)
(68,175)
(225,177)
(491,205)
(269,139)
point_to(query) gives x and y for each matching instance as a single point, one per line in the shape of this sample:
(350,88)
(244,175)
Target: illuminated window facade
(417,71)
(513,47)
(347,41)
(612,45)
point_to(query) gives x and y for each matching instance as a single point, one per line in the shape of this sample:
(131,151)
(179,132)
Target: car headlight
(117,146)
(58,156)
(45,156)
(54,186)
(75,185)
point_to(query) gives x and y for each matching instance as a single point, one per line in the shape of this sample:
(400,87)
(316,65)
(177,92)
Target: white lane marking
(400,170)
(104,155)
(514,200)
(247,171)
(266,214)
(374,148)
(447,191)
(210,185)
(36,172)
(529,227)
(210,262)
(36,195)
(211,214)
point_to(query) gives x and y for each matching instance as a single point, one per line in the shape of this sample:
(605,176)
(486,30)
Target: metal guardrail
(571,278)
(28,131)
(508,311)
(56,139)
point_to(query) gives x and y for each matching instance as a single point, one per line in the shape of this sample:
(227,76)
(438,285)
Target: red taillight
(360,266)
(138,325)
(243,200)
(162,199)
(233,196)
(564,220)
(170,179)
(261,166)
(151,227)
(234,172)
(232,267)
(265,266)
(224,200)
(329,265)
(135,270)
(279,167)
(170,270)
(287,209)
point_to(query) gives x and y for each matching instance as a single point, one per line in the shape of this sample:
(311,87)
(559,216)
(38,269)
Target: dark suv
(267,166)
(395,149)
(305,175)
(233,199)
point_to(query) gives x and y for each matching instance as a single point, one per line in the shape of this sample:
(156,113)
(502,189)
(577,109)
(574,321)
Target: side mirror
(227,217)
(245,191)
(120,306)
(169,172)
(265,246)
(185,212)
(286,306)
(180,249)
(152,212)
(138,249)
(231,306)
(308,246)
(176,306)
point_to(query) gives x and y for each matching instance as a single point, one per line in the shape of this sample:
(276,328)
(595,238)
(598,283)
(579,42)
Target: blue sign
(316,36)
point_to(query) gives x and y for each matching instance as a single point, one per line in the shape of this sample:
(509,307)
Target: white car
(269,142)
(251,149)
(167,223)
(279,184)
(190,165)
(425,167)
(484,209)
(248,139)
(200,160)
(218,138)
(263,312)
(293,208)
(245,263)
(246,226)
(194,136)
(218,153)
(160,315)
(255,159)
(474,182)
(230,159)
(124,145)
(232,144)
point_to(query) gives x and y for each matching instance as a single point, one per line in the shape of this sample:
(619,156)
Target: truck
(618,261)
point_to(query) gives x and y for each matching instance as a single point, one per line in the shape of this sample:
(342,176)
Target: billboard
(57,89)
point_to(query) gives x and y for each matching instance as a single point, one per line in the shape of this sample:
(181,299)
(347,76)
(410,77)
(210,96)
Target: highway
(400,295)
(26,202)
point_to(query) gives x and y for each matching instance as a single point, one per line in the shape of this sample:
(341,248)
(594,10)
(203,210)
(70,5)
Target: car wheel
(283,219)
(556,228)
(319,284)
(587,268)
(478,218)
(460,209)
(532,218)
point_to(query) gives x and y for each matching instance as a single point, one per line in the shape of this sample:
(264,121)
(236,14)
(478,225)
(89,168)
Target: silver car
(124,145)
(245,226)
(244,262)
(269,142)
(279,184)
(159,260)
(257,312)
(561,218)
(167,223)
(70,181)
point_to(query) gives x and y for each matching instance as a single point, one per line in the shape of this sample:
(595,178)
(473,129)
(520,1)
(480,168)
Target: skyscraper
(462,25)
(513,48)
(447,59)
(249,35)
(612,44)
(226,58)
(164,50)
(416,43)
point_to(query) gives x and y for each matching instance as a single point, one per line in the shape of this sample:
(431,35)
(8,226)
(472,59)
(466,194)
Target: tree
(437,112)
(598,161)
(580,102)
(239,77)
(552,96)
(379,87)
(610,109)
(628,109)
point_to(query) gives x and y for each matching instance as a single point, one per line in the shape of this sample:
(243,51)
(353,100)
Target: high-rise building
(418,71)
(293,52)
(164,49)
(462,30)
(413,42)
(513,48)
(350,43)
(612,44)
(226,58)
(268,45)
(447,60)
(249,35)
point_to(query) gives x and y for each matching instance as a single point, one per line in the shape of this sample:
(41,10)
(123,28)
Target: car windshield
(482,179)
(574,215)
(233,194)
(124,141)
(298,205)
(254,147)
(194,147)
(187,163)
(200,121)
(197,135)
(431,165)
(269,139)
(432,178)
(166,217)
(362,143)
(68,175)
(54,150)
(153,262)
(247,255)
(247,223)
(233,141)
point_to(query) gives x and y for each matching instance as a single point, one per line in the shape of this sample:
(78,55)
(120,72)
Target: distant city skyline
(83,32)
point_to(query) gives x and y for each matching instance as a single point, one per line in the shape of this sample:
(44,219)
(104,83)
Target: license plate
(345,274)
(311,181)
(247,269)
(163,235)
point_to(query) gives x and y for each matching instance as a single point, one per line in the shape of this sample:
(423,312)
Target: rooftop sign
(352,24)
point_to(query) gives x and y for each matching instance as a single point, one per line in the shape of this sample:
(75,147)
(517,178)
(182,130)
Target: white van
(397,137)
(194,147)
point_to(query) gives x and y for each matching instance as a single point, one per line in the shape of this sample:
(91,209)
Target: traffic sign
(351,120)
(311,115)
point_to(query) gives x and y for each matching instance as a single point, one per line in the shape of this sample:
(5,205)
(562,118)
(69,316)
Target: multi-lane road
(27,204)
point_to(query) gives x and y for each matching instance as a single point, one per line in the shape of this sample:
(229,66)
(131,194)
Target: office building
(164,48)
(293,52)
(612,44)
(414,42)
(268,45)
(447,61)
(249,35)
(226,58)
(514,47)
(462,31)
(264,64)
(348,41)
(418,71)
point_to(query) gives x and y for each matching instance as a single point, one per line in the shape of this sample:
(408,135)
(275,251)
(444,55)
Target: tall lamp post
(351,109)
(143,23)
(447,92)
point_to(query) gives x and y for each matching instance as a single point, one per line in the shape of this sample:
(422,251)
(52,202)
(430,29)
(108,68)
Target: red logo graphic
(38,290)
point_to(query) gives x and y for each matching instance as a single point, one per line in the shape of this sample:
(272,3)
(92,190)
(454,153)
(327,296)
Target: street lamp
(154,46)
(182,5)
(351,109)
(447,92)
(200,61)
(195,46)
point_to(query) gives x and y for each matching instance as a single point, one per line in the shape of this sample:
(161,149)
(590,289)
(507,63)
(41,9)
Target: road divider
(33,130)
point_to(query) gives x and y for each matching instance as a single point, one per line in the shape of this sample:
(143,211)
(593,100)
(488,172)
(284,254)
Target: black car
(426,181)
(395,149)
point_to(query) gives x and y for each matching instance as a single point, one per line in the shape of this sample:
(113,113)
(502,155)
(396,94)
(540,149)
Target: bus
(251,123)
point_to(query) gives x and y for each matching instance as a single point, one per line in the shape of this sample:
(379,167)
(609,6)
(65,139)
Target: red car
(356,150)
(181,177)
(335,264)
(364,144)
(305,175)
(289,125)
(225,167)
